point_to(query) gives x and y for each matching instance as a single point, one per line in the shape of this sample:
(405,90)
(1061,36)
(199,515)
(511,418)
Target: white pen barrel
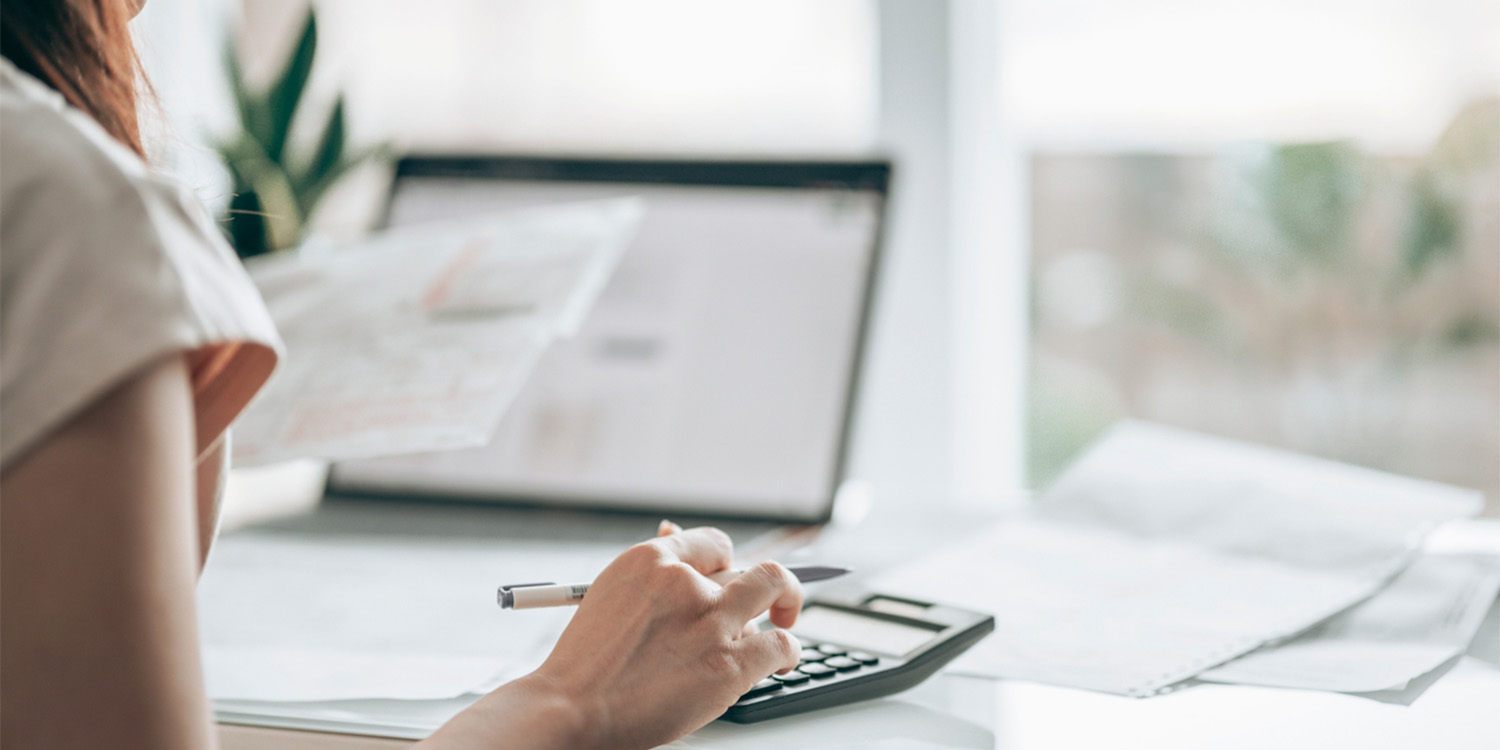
(531,597)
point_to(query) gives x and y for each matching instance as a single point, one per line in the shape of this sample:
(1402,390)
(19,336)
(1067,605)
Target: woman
(131,340)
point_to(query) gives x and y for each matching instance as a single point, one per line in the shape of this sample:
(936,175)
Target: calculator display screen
(861,632)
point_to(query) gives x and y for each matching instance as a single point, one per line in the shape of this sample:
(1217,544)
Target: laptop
(717,374)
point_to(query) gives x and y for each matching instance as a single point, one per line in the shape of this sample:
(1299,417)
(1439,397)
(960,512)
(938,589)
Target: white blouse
(106,267)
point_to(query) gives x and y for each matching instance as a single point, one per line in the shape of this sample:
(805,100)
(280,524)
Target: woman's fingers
(638,661)
(767,585)
(706,549)
(769,651)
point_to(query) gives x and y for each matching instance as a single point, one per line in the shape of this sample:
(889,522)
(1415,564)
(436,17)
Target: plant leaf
(251,108)
(287,91)
(273,187)
(245,224)
(313,192)
(325,159)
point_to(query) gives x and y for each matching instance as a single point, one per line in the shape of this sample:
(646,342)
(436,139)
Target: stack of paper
(292,618)
(418,339)
(1162,554)
(1424,618)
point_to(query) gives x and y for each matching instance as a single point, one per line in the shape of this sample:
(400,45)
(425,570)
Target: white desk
(1457,713)
(951,711)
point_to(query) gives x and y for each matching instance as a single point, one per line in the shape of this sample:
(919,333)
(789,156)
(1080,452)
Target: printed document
(418,339)
(1426,616)
(1162,553)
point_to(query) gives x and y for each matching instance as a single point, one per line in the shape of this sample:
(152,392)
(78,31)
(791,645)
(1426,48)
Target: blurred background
(1274,221)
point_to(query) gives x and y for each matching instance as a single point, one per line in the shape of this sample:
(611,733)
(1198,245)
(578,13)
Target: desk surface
(954,711)
(950,711)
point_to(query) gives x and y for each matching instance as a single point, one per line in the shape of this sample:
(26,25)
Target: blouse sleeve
(105,268)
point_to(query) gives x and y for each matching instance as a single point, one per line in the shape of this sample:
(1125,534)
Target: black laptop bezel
(868,174)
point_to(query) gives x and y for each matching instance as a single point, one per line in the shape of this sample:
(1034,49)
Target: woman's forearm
(526,713)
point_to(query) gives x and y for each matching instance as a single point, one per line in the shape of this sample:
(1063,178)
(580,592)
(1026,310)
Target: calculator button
(790,678)
(868,660)
(767,685)
(809,654)
(842,663)
(831,650)
(817,670)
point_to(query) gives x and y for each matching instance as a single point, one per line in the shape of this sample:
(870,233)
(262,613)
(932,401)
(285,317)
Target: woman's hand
(655,650)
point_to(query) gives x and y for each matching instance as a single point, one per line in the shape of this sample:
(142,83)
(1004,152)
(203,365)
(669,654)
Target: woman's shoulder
(57,159)
(72,193)
(106,266)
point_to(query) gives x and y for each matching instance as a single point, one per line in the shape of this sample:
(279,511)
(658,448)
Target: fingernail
(667,527)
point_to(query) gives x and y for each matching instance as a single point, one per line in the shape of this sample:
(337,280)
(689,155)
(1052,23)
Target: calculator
(857,645)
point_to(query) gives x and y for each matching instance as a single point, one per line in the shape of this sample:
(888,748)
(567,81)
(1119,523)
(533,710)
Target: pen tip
(811,573)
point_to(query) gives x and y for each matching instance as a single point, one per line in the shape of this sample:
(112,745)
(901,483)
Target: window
(1272,221)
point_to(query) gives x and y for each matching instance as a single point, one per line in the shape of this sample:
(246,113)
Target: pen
(533,595)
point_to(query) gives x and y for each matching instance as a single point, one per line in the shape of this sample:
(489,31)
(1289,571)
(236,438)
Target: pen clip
(526,585)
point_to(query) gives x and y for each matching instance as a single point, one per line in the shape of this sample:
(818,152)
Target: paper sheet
(1425,617)
(303,675)
(1162,553)
(418,339)
(333,618)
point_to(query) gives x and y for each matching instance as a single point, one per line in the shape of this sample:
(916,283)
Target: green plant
(276,188)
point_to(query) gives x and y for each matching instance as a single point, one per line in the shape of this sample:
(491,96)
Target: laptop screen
(716,372)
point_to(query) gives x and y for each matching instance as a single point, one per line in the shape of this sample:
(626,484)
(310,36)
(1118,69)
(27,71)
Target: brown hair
(83,50)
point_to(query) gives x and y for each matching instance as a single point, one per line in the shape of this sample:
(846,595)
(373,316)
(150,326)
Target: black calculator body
(858,645)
